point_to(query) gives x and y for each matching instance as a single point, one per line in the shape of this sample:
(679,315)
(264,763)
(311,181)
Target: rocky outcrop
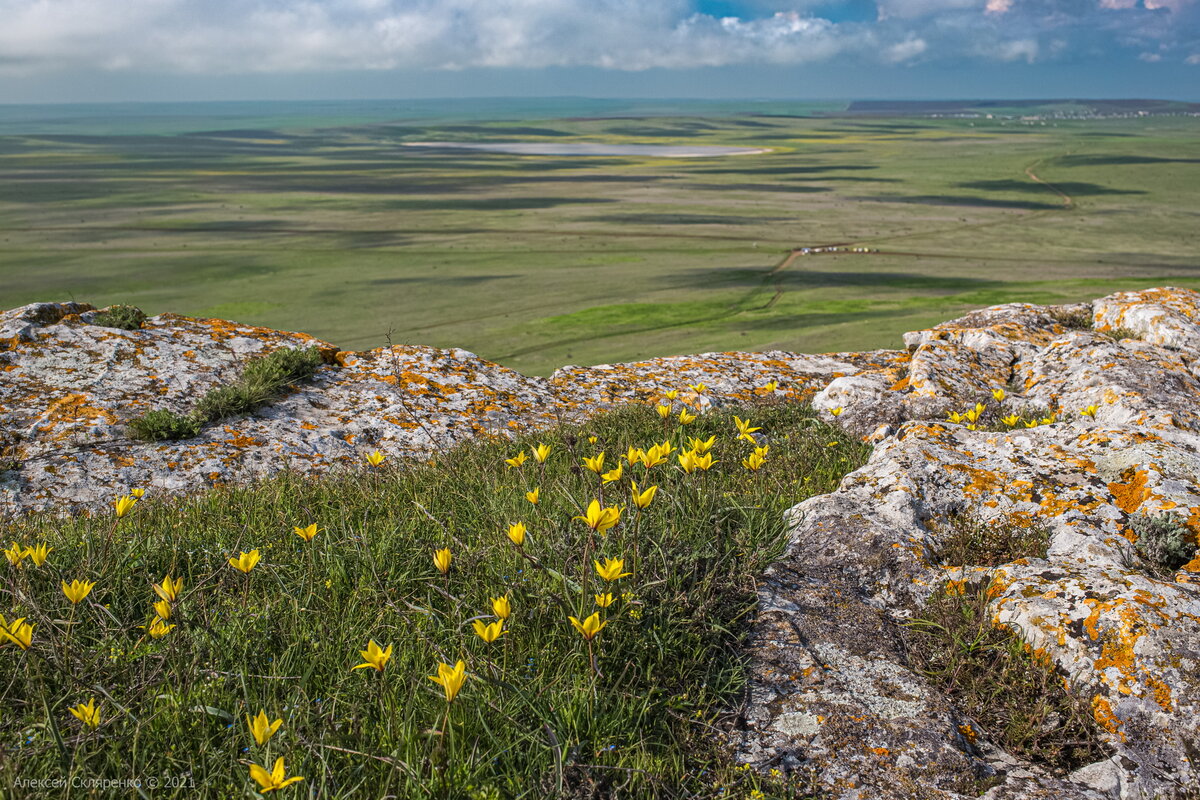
(833,691)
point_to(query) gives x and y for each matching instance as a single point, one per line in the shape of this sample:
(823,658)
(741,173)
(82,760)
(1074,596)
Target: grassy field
(536,262)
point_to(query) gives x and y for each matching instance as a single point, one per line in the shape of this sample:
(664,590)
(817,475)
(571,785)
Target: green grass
(129,318)
(535,719)
(540,261)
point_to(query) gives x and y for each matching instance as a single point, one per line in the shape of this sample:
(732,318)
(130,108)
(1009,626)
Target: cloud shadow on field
(455,280)
(1073,188)
(1119,160)
(960,200)
(680,219)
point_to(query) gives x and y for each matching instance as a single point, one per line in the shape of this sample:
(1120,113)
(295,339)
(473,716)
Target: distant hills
(1069,108)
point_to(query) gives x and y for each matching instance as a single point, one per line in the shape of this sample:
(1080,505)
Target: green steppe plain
(535,261)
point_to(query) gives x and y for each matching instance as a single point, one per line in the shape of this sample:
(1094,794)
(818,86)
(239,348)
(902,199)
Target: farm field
(332,226)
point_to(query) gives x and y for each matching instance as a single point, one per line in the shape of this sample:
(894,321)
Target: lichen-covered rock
(1108,436)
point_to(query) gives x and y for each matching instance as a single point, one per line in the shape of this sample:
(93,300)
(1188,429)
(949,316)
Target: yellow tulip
(1011,420)
(771,386)
(762,450)
(489,632)
(642,499)
(163,609)
(702,446)
(698,388)
(441,558)
(272,781)
(502,606)
(954,416)
(517,460)
(15,554)
(972,414)
(753,462)
(611,569)
(39,554)
(613,474)
(516,533)
(375,657)
(1090,411)
(687,460)
(686,418)
(663,411)
(744,429)
(534,495)
(595,464)
(972,426)
(375,458)
(999,395)
(19,632)
(541,453)
(1048,420)
(168,589)
(671,394)
(598,519)
(590,626)
(451,679)
(76,590)
(634,455)
(245,562)
(306,533)
(87,713)
(261,728)
(591,440)
(124,505)
(604,600)
(653,457)
(159,628)
(138,493)
(1033,423)
(837,412)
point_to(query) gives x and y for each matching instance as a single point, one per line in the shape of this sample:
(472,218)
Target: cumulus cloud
(269,36)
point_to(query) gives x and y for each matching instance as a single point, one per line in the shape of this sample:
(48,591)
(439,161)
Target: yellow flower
(375,657)
(954,416)
(590,626)
(754,461)
(375,458)
(15,554)
(159,628)
(837,412)
(534,496)
(87,713)
(19,632)
(702,446)
(124,505)
(671,394)
(502,606)
(690,461)
(168,589)
(441,558)
(138,493)
(246,561)
(516,533)
(541,453)
(76,590)
(762,450)
(272,781)
(744,429)
(591,440)
(450,678)
(489,632)
(654,456)
(1090,411)
(306,533)
(972,414)
(595,464)
(698,388)
(634,455)
(1011,420)
(1033,423)
(614,474)
(663,411)
(517,460)
(642,499)
(999,395)
(686,418)
(604,600)
(39,554)
(611,570)
(771,386)
(972,426)
(598,519)
(262,728)
(163,609)
(1048,420)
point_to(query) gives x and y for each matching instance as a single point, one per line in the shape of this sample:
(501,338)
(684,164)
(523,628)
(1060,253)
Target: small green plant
(262,381)
(1073,319)
(1164,544)
(128,318)
(1117,334)
(966,539)
(1010,691)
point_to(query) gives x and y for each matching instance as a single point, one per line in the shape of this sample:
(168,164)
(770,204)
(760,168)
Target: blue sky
(114,50)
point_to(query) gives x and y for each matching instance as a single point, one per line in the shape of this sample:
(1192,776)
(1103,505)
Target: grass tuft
(994,678)
(965,539)
(1073,319)
(128,318)
(1117,334)
(263,380)
(642,711)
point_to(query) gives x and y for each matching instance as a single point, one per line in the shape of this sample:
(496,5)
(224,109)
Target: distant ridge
(1067,107)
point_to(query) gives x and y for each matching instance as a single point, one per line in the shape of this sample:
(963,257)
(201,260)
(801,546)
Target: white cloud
(905,51)
(1194,58)
(1150,58)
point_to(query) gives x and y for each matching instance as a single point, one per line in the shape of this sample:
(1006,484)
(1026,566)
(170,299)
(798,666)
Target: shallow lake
(595,149)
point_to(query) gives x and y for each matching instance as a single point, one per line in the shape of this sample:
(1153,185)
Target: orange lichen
(1103,714)
(1129,495)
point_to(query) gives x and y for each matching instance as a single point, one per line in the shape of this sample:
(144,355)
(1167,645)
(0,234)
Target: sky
(154,50)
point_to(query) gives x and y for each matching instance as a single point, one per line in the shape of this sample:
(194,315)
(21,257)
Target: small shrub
(1073,319)
(966,539)
(161,426)
(1117,334)
(1164,544)
(128,318)
(995,679)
